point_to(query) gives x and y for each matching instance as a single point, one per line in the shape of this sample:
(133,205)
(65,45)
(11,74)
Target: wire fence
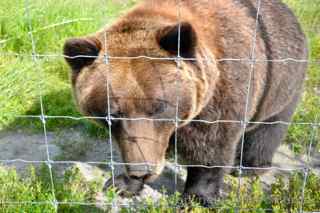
(110,162)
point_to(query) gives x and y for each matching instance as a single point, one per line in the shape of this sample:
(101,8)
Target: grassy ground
(22,80)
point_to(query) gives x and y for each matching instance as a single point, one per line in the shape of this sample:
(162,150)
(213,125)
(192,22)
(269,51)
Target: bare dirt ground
(82,151)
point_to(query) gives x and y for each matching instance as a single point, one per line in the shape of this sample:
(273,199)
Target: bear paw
(124,185)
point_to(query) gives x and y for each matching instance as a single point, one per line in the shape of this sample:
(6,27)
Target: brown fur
(209,89)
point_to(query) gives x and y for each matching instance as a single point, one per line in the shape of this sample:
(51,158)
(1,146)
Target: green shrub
(287,197)
(16,189)
(33,192)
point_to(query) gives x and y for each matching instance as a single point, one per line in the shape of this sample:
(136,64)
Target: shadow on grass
(55,103)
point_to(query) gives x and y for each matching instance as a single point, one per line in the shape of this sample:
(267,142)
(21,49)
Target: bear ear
(168,39)
(81,52)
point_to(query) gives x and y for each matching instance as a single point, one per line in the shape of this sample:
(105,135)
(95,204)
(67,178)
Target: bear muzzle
(145,172)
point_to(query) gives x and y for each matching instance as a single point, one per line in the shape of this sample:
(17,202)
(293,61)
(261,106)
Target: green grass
(35,194)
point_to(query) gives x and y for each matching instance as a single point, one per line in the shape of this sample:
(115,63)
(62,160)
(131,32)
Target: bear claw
(124,185)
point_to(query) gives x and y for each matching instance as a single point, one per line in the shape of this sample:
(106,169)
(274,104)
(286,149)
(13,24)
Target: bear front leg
(203,184)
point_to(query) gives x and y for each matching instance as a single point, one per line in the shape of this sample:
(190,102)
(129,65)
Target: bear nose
(144,172)
(138,175)
(139,172)
(142,178)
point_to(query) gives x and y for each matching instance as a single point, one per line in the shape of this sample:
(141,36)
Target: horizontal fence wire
(110,161)
(8,161)
(79,118)
(217,60)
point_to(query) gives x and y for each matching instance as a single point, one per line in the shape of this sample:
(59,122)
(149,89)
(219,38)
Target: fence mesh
(110,162)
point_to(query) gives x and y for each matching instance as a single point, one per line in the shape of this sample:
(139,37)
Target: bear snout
(144,173)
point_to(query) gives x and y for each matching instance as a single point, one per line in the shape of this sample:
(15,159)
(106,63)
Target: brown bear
(225,63)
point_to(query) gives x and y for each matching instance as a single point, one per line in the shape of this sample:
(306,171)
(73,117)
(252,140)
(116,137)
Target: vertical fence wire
(40,88)
(178,90)
(308,166)
(312,142)
(109,115)
(248,94)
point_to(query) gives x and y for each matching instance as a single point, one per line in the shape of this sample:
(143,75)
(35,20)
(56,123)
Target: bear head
(109,77)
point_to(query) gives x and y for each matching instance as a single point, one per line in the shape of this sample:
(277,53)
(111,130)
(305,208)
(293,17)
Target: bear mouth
(144,179)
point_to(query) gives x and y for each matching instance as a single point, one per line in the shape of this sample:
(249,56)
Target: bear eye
(157,108)
(115,117)
(115,122)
